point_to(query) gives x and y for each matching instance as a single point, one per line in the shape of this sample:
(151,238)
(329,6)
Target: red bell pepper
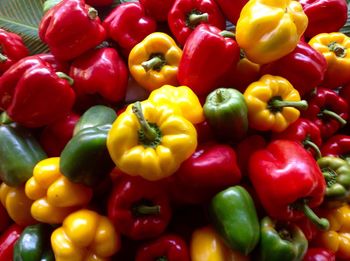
(186,15)
(139,209)
(327,110)
(319,254)
(167,247)
(12,49)
(304,68)
(99,2)
(204,132)
(71,28)
(120,25)
(344,92)
(33,94)
(325,16)
(309,229)
(288,181)
(232,9)
(338,146)
(207,55)
(8,240)
(100,72)
(58,66)
(156,9)
(4,218)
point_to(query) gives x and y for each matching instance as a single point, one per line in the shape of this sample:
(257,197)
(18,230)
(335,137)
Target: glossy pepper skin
(185,15)
(207,55)
(54,196)
(234,217)
(319,254)
(273,103)
(12,49)
(307,72)
(157,9)
(169,247)
(8,240)
(60,29)
(150,140)
(281,241)
(85,235)
(337,146)
(231,9)
(33,94)
(99,2)
(283,24)
(120,25)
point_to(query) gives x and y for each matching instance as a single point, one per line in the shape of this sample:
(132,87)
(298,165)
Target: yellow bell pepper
(181,96)
(85,235)
(151,140)
(272,103)
(55,197)
(206,245)
(17,204)
(154,61)
(269,29)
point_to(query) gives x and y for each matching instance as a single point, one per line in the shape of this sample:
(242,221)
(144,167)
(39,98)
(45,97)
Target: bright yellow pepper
(154,61)
(181,96)
(151,140)
(85,235)
(206,245)
(17,204)
(272,103)
(269,29)
(55,197)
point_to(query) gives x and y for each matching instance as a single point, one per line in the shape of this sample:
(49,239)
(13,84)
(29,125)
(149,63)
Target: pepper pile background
(174,130)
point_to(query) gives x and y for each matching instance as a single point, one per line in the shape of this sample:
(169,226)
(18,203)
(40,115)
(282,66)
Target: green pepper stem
(312,145)
(146,210)
(162,258)
(301,105)
(5,118)
(227,34)
(152,63)
(219,96)
(65,77)
(3,58)
(337,49)
(321,223)
(195,19)
(92,13)
(334,116)
(149,132)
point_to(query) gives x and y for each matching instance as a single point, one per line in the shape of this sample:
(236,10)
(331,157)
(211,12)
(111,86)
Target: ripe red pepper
(186,15)
(232,9)
(319,254)
(338,146)
(345,94)
(58,66)
(139,209)
(99,2)
(8,240)
(204,132)
(207,55)
(100,72)
(33,94)
(12,49)
(156,9)
(307,72)
(4,218)
(327,110)
(288,181)
(120,25)
(71,28)
(167,247)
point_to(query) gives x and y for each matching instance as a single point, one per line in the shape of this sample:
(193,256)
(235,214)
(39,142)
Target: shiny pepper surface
(269,29)
(55,197)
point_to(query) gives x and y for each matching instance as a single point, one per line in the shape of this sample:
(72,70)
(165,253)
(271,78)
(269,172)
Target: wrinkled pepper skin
(263,25)
(85,235)
(234,217)
(61,29)
(8,240)
(337,146)
(157,9)
(319,254)
(231,9)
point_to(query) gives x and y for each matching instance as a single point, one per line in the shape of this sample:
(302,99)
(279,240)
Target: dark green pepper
(234,217)
(227,113)
(281,241)
(34,244)
(85,159)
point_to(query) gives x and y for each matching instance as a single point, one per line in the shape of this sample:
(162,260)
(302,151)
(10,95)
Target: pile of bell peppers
(177,130)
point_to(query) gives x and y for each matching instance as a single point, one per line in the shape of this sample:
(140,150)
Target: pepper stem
(337,49)
(92,13)
(5,118)
(321,223)
(334,116)
(312,145)
(162,258)
(3,58)
(219,96)
(194,19)
(144,210)
(66,77)
(155,62)
(278,104)
(227,34)
(149,132)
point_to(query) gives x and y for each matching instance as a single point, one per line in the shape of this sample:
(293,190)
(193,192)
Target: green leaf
(346,28)
(23,17)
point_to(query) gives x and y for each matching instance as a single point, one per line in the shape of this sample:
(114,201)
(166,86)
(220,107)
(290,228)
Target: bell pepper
(99,2)
(100,72)
(337,146)
(180,96)
(231,9)
(185,15)
(325,16)
(8,240)
(34,94)
(54,196)
(61,29)
(227,113)
(273,103)
(206,245)
(158,10)
(138,208)
(234,217)
(307,72)
(275,167)
(319,254)
(17,204)
(12,49)
(167,247)
(4,218)
(85,235)
(150,140)
(335,47)
(304,131)
(17,142)
(204,132)
(327,110)
(34,244)
(207,55)
(58,66)
(269,30)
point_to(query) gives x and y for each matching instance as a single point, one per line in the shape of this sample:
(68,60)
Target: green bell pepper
(234,217)
(281,241)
